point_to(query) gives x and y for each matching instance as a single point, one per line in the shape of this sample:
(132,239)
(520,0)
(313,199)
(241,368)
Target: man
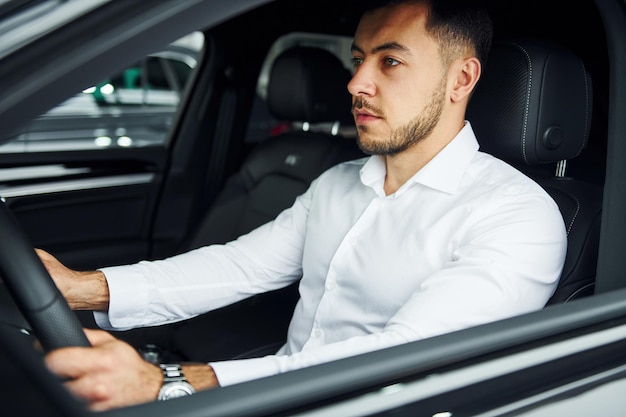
(427,236)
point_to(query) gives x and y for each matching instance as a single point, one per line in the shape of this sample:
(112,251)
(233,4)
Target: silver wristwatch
(174,383)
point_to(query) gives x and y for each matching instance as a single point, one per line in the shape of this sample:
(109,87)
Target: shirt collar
(443,172)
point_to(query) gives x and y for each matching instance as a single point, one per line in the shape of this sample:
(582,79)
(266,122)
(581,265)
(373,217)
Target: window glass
(133,108)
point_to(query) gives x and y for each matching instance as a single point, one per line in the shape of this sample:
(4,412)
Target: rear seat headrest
(532,104)
(308,84)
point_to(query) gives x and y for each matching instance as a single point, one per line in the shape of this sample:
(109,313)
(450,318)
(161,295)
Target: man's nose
(362,82)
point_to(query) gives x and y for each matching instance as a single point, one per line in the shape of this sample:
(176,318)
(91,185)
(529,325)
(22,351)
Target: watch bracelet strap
(174,382)
(172,372)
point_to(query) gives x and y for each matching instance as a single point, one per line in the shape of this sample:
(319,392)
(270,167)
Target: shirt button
(331,285)
(317,333)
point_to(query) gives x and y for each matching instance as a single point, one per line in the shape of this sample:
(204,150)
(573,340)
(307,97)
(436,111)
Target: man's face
(399,85)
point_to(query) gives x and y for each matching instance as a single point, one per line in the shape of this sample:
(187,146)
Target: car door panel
(90,214)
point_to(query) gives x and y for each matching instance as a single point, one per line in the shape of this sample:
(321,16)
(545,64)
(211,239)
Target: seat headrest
(308,84)
(532,104)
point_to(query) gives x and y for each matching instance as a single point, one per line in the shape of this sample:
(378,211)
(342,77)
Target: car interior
(541,105)
(532,108)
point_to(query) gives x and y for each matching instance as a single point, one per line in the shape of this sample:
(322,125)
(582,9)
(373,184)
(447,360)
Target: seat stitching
(527,103)
(571,223)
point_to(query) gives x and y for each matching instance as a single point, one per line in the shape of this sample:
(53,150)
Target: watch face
(175,390)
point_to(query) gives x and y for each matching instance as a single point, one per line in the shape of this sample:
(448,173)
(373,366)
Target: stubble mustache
(360,103)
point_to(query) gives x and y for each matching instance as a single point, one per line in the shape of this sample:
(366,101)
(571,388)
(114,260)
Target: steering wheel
(33,290)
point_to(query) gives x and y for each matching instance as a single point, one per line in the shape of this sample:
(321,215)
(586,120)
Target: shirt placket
(331,301)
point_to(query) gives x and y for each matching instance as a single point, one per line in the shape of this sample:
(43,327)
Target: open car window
(132,108)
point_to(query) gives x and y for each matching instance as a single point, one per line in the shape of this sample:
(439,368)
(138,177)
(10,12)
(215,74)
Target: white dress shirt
(467,240)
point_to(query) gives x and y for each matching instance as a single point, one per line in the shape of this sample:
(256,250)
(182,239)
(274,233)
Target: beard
(405,136)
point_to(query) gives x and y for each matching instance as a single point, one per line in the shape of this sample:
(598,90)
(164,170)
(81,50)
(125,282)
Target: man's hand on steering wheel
(110,374)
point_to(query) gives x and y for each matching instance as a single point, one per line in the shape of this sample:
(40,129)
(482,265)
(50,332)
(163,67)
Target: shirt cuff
(243,370)
(128,299)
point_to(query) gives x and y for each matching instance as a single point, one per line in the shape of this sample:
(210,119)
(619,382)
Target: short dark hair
(454,23)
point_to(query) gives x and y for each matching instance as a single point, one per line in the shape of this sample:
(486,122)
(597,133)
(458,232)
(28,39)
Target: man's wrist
(91,292)
(200,375)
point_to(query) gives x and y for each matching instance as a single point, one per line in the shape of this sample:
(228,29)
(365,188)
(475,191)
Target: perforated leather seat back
(532,108)
(306,84)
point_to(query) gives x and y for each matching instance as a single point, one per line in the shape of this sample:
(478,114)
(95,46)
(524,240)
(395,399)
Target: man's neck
(402,166)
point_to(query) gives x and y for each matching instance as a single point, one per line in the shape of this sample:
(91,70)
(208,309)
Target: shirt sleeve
(502,269)
(242,370)
(159,292)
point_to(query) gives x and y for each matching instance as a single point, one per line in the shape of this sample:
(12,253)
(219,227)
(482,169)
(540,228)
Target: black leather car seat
(532,108)
(307,86)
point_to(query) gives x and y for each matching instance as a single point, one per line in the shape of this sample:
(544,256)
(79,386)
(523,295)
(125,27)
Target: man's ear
(467,73)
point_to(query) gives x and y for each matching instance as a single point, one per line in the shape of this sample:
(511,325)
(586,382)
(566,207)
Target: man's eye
(391,62)
(357,61)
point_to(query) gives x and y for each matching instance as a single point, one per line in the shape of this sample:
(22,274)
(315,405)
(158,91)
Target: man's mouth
(362,116)
(364,112)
